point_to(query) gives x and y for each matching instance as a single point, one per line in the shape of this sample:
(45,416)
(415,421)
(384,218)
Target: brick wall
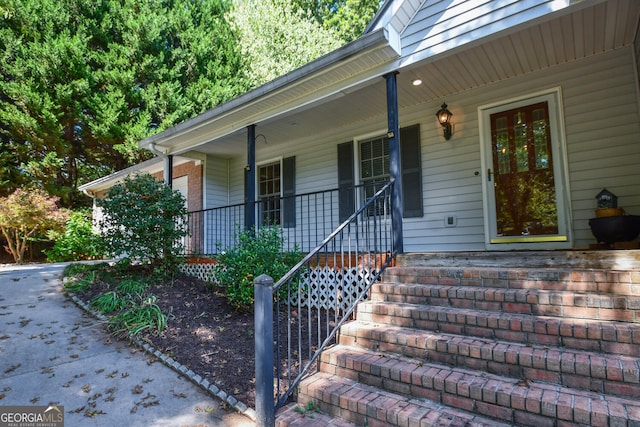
(193,171)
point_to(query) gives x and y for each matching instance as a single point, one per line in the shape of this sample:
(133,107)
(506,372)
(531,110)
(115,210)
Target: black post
(263,335)
(168,170)
(250,180)
(393,134)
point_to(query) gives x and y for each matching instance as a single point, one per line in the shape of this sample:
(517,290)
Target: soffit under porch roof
(580,31)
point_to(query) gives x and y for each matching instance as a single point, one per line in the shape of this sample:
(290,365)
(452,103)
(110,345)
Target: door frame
(564,239)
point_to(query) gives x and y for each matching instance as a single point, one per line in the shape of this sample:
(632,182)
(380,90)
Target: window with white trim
(269,195)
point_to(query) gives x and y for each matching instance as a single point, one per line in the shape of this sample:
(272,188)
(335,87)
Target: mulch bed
(204,333)
(210,337)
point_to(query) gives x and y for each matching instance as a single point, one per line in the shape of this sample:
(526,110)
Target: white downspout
(167,175)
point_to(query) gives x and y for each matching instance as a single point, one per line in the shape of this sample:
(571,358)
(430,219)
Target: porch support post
(393,134)
(168,170)
(250,179)
(263,337)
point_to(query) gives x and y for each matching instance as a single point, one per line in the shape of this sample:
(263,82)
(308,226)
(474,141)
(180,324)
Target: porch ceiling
(586,29)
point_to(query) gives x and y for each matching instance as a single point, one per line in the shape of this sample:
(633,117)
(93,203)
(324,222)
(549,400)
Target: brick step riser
(520,402)
(612,374)
(607,337)
(363,406)
(597,281)
(539,303)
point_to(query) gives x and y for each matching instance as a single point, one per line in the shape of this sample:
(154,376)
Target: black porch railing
(315,298)
(305,219)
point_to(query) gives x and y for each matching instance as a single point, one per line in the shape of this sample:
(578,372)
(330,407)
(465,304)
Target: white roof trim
(153,165)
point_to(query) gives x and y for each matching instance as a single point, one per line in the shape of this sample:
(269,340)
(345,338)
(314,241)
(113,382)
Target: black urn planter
(611,229)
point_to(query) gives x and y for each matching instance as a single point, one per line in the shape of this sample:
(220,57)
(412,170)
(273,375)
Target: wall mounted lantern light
(444,118)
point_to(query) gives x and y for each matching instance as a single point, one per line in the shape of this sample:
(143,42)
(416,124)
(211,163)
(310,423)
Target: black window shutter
(346,191)
(411,170)
(289,192)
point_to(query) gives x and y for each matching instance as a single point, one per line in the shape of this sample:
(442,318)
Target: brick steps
(580,334)
(509,400)
(550,279)
(579,304)
(591,371)
(365,405)
(525,339)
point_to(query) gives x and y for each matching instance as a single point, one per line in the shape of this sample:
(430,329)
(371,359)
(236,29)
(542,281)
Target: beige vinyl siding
(236,179)
(449,182)
(601,108)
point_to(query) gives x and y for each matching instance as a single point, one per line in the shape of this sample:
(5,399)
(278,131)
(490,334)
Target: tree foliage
(26,214)
(82,81)
(78,241)
(346,19)
(276,38)
(143,221)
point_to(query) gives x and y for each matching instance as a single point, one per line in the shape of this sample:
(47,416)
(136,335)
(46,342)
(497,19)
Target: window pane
(520,137)
(540,139)
(525,199)
(374,159)
(502,145)
(269,193)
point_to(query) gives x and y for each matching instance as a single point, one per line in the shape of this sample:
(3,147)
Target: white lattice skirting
(321,287)
(203,272)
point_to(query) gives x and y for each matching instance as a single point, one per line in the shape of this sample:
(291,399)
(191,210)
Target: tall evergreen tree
(84,80)
(276,37)
(346,19)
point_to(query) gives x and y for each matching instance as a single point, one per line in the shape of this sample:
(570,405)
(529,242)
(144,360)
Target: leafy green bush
(144,220)
(78,242)
(253,255)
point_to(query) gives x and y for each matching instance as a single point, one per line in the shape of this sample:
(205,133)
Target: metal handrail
(361,245)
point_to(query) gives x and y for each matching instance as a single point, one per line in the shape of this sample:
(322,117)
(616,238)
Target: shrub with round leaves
(144,219)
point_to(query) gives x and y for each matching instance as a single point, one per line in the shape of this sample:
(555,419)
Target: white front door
(525,185)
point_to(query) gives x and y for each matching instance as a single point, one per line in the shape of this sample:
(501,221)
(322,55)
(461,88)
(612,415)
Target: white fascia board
(109,181)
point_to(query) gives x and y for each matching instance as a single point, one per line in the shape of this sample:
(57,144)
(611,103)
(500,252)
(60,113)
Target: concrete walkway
(53,353)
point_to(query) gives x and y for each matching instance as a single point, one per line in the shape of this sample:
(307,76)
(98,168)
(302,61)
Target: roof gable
(440,26)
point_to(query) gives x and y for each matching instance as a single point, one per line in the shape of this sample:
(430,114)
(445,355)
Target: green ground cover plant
(122,292)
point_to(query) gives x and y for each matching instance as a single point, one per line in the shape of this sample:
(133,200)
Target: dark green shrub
(78,242)
(253,255)
(144,220)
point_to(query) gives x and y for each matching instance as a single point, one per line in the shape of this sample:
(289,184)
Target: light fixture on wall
(444,118)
